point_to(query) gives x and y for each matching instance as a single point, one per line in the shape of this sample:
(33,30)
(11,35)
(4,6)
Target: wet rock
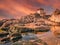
(25,30)
(2,35)
(5,28)
(5,40)
(15,37)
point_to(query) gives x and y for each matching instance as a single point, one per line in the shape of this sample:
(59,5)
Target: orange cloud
(17,8)
(14,8)
(52,3)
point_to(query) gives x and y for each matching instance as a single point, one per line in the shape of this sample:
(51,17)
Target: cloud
(52,3)
(15,8)
(18,8)
(4,13)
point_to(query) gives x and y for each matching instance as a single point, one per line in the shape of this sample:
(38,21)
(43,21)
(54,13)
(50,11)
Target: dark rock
(3,35)
(16,37)
(5,40)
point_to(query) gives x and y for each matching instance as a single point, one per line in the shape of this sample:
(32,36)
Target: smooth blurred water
(29,36)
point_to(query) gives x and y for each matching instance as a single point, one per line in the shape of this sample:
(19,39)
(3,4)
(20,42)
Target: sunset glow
(18,8)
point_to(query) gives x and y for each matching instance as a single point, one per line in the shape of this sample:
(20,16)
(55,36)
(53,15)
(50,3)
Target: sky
(18,8)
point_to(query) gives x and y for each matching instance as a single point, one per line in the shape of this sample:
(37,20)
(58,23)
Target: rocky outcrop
(31,23)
